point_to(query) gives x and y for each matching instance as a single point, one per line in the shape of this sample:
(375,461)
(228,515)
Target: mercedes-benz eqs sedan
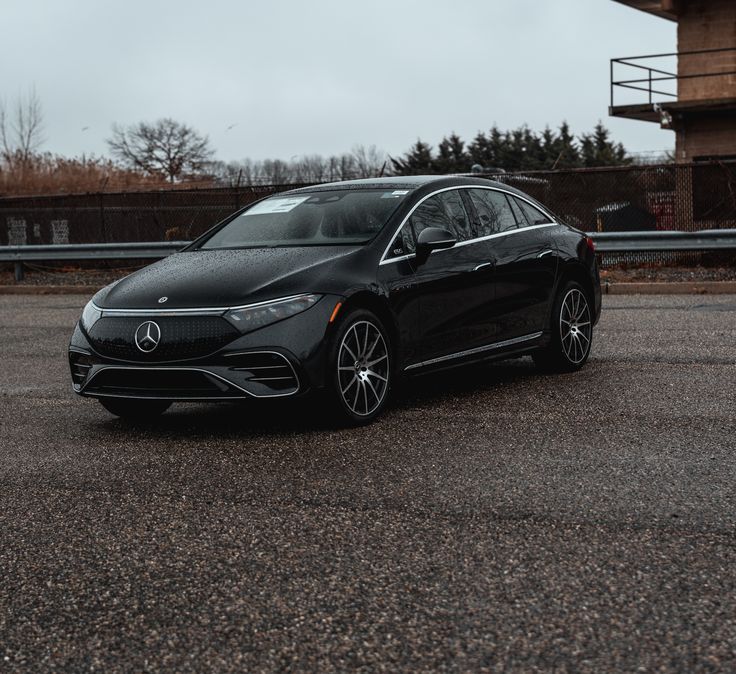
(342,289)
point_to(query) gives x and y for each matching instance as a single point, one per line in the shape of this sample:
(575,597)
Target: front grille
(161,383)
(182,337)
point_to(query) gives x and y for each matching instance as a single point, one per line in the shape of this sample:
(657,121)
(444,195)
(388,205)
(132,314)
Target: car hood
(225,278)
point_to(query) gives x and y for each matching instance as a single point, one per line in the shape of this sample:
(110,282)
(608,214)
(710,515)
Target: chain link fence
(686,197)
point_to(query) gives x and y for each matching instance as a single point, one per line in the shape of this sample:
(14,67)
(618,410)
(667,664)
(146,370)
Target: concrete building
(691,91)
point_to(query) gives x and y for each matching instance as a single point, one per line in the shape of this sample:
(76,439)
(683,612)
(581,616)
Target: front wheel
(135,410)
(572,331)
(360,364)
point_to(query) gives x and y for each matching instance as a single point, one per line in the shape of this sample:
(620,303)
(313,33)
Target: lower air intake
(161,383)
(264,373)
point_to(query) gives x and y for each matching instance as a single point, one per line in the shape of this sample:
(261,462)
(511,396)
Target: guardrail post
(19,271)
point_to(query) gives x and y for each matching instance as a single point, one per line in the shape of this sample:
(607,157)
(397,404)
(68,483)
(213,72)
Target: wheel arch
(574,270)
(365,299)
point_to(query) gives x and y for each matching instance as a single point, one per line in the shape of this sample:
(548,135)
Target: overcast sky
(318,77)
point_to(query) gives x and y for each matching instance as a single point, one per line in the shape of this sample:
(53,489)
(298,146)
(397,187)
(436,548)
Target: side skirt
(496,349)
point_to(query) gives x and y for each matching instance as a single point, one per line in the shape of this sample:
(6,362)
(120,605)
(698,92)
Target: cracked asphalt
(493,519)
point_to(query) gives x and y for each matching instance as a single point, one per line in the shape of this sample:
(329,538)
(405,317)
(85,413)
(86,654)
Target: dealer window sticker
(395,194)
(283,205)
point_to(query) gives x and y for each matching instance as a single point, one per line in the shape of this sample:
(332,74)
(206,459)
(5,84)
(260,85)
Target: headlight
(90,315)
(256,316)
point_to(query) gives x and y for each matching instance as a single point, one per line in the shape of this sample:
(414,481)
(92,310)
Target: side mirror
(433,238)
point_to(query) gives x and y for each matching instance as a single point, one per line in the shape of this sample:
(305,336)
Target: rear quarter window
(532,215)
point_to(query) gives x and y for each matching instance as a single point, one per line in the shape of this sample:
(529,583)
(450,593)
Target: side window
(518,214)
(444,210)
(532,214)
(403,244)
(494,211)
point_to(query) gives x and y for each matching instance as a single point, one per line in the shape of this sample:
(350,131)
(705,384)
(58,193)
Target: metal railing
(79,252)
(652,83)
(605,242)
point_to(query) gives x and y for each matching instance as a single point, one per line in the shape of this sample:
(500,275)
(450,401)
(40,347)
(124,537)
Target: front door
(455,285)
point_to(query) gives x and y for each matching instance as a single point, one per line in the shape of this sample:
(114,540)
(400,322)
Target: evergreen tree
(549,147)
(479,150)
(598,150)
(417,161)
(451,156)
(519,149)
(567,154)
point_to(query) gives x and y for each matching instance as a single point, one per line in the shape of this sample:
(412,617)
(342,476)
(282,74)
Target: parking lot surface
(492,519)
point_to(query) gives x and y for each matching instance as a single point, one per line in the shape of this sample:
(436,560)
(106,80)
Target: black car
(341,289)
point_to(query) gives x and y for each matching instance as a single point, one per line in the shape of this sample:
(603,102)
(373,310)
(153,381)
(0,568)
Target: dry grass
(52,174)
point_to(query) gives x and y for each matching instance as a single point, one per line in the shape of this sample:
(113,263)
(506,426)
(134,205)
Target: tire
(571,331)
(360,367)
(135,410)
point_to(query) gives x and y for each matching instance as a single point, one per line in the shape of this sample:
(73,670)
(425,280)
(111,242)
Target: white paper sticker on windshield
(283,205)
(395,194)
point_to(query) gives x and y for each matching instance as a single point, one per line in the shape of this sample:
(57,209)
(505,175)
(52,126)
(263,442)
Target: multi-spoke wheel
(571,331)
(576,328)
(361,366)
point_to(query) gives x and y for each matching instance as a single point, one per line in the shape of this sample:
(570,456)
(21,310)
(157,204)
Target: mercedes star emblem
(147,336)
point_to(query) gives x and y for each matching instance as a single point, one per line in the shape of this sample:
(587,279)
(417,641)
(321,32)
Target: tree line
(519,149)
(166,151)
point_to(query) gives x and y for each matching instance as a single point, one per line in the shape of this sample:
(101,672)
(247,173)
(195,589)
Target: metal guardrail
(605,242)
(90,251)
(642,242)
(87,251)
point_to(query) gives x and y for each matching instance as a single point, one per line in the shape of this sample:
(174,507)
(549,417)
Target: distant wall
(707,24)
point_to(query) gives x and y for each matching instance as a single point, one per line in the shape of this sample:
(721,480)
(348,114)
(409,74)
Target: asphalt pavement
(493,519)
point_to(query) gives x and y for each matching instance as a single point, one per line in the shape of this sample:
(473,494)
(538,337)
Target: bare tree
(370,162)
(361,162)
(163,147)
(21,131)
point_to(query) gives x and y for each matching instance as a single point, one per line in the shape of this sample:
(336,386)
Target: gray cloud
(318,77)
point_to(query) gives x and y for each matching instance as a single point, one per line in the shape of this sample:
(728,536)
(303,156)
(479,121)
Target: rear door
(525,259)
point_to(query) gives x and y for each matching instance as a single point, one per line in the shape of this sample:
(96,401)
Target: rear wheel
(360,364)
(571,331)
(135,410)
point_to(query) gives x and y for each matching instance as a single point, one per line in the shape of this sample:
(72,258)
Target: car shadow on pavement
(312,413)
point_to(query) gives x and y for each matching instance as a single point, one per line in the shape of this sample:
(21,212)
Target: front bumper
(283,359)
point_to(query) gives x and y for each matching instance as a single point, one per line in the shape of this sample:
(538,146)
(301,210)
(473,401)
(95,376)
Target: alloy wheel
(575,326)
(363,368)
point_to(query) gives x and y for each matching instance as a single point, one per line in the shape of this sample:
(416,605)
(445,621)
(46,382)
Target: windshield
(335,217)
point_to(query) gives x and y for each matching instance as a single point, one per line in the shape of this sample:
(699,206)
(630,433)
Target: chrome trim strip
(138,397)
(199,311)
(551,223)
(478,349)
